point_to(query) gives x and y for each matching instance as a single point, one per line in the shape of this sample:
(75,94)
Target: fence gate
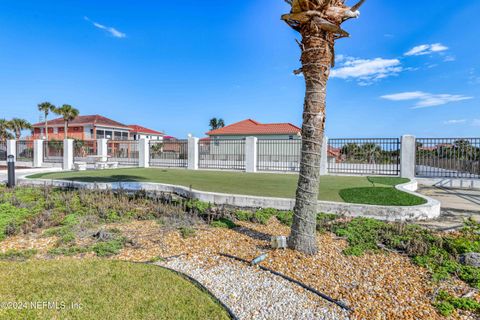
(169,153)
(53,151)
(375,156)
(3,150)
(448,157)
(279,155)
(125,152)
(221,154)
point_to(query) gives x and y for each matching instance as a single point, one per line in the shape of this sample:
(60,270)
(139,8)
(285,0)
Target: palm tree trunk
(46,127)
(65,136)
(316,62)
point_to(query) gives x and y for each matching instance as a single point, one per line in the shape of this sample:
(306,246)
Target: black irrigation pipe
(196,283)
(322,295)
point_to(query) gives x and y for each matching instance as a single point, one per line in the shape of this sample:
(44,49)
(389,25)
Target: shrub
(285,217)
(243,215)
(263,215)
(223,223)
(108,248)
(447,303)
(186,232)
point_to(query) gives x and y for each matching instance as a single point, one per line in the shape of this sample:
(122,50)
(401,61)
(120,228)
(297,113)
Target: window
(290,137)
(108,134)
(100,134)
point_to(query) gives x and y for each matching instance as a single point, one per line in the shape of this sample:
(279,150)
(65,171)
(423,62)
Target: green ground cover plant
(256,184)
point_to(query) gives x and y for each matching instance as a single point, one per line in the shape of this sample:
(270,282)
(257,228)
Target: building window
(100,134)
(290,137)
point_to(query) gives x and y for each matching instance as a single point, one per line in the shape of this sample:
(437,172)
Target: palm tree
(5,134)
(216,123)
(46,108)
(68,113)
(17,125)
(318,22)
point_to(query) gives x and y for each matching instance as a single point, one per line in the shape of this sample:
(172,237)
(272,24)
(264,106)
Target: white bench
(80,166)
(101,165)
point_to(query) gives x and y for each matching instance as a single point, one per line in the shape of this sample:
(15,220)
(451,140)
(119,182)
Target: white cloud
(424,100)
(453,122)
(425,49)
(366,71)
(112,31)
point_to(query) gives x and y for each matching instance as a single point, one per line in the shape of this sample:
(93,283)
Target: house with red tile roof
(138,132)
(252,128)
(89,127)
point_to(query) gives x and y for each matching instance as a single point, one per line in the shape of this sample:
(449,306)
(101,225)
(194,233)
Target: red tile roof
(253,127)
(85,120)
(134,128)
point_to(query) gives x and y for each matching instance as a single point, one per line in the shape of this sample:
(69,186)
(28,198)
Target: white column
(324,158)
(102,149)
(144,153)
(12,148)
(68,154)
(193,153)
(407,157)
(38,153)
(251,154)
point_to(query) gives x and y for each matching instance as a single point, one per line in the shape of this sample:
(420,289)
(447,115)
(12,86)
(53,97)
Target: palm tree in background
(17,125)
(216,123)
(46,108)
(68,113)
(5,134)
(318,22)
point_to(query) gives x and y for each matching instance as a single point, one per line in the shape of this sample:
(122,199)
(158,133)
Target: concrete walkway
(457,206)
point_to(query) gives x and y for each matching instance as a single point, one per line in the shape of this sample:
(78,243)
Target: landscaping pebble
(252,293)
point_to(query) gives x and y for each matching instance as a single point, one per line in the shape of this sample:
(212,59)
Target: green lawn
(104,289)
(257,184)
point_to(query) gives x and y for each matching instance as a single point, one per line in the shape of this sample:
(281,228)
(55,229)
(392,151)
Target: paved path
(457,205)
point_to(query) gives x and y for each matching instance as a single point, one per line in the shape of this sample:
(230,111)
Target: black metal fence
(377,156)
(85,150)
(222,154)
(279,155)
(24,150)
(169,153)
(124,152)
(53,151)
(448,157)
(3,150)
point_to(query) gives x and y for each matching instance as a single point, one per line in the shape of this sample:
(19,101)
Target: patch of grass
(69,251)
(105,290)
(380,196)
(108,248)
(187,232)
(387,181)
(256,184)
(18,254)
(446,304)
(11,218)
(223,223)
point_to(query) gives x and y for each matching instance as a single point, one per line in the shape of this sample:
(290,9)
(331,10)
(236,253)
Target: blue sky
(409,66)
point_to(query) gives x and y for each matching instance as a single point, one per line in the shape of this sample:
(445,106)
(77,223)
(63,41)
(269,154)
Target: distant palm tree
(216,123)
(68,113)
(46,108)
(5,134)
(17,125)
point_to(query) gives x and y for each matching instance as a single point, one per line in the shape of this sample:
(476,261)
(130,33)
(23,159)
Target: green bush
(186,232)
(447,303)
(243,215)
(285,217)
(108,248)
(263,215)
(11,218)
(223,223)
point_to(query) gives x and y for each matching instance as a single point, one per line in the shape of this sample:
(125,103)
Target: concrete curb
(430,210)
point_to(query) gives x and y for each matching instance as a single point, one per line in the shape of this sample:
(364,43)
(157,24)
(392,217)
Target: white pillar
(407,157)
(102,149)
(144,153)
(251,154)
(193,153)
(68,154)
(38,153)
(12,148)
(324,158)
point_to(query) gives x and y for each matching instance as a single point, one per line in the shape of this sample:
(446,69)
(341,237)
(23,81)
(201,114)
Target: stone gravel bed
(251,293)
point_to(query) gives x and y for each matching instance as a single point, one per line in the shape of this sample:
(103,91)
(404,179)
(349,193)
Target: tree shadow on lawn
(112,178)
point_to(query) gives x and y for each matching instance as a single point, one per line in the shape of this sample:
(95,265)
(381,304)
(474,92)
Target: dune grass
(101,289)
(255,184)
